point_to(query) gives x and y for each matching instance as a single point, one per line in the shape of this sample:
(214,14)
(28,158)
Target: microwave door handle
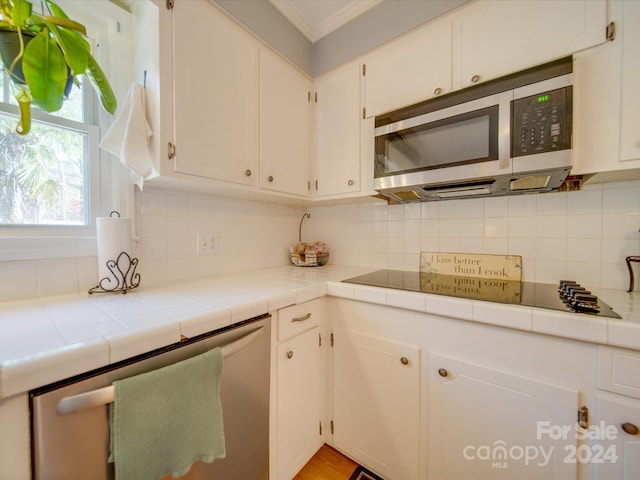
(105,395)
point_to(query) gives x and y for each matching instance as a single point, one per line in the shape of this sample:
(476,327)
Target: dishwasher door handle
(105,395)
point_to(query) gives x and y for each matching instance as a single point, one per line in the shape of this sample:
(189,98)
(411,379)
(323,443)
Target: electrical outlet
(208,243)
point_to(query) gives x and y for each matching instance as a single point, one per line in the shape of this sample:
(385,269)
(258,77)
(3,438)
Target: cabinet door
(630,113)
(298,371)
(338,118)
(215,95)
(377,403)
(614,452)
(409,70)
(285,126)
(480,420)
(498,37)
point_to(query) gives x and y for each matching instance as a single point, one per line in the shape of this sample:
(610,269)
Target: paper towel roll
(114,237)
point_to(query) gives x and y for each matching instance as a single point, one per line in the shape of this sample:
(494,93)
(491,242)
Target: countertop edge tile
(520,318)
(29,373)
(193,326)
(460,308)
(277,301)
(570,325)
(142,340)
(248,309)
(305,294)
(370,294)
(623,334)
(407,300)
(340,289)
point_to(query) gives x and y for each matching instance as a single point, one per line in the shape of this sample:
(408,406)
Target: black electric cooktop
(568,296)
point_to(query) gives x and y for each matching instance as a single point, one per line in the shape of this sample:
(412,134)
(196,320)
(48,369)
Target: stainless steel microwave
(509,136)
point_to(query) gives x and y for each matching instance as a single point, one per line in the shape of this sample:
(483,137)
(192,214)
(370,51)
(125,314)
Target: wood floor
(327,464)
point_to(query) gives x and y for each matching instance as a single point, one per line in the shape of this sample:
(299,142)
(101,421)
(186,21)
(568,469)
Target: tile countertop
(50,339)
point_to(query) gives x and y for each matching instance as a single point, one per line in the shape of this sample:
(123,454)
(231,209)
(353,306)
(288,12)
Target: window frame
(27,242)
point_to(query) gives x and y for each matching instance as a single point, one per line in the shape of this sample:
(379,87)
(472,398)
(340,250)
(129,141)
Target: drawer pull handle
(630,428)
(301,319)
(443,372)
(475,79)
(437,91)
(404,361)
(290,354)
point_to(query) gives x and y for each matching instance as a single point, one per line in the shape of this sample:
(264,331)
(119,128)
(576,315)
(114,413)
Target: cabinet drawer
(298,318)
(619,371)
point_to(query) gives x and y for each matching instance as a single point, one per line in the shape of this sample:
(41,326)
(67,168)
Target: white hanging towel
(128,137)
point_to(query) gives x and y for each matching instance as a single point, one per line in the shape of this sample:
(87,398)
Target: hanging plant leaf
(20,13)
(74,48)
(100,83)
(45,72)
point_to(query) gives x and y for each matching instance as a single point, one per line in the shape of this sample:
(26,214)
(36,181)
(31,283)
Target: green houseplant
(48,52)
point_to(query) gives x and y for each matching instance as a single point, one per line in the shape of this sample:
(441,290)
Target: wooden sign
(477,265)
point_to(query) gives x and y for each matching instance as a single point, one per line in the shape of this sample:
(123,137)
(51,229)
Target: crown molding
(337,19)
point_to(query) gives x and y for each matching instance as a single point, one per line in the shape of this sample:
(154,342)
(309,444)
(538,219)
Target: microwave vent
(529,183)
(406,196)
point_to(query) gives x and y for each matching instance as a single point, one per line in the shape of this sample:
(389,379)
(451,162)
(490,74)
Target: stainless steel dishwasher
(70,428)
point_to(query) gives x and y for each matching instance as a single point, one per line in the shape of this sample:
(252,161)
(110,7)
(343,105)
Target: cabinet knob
(290,354)
(270,178)
(630,428)
(404,361)
(437,91)
(475,79)
(350,182)
(443,372)
(247,172)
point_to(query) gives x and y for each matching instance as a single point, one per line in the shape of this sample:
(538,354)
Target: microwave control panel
(541,123)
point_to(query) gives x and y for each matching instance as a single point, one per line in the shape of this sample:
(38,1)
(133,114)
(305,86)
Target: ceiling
(317,18)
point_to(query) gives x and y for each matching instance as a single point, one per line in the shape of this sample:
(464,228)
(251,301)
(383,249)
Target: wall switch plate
(208,243)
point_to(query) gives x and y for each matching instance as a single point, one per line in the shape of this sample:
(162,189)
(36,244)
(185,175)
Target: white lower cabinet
(485,424)
(299,398)
(376,402)
(300,382)
(615,449)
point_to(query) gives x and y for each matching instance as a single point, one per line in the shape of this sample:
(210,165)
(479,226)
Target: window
(45,176)
(56,180)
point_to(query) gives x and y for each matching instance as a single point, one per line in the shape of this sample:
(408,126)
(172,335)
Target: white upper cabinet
(215,95)
(338,124)
(630,107)
(286,115)
(498,37)
(414,68)
(606,99)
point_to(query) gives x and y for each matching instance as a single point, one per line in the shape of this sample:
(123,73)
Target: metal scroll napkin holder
(123,276)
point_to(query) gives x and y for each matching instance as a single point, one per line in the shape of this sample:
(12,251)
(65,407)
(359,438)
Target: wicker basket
(309,261)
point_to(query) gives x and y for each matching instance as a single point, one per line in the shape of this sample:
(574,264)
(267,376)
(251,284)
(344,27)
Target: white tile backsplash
(584,235)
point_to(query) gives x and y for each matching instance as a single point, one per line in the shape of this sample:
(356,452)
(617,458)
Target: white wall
(583,235)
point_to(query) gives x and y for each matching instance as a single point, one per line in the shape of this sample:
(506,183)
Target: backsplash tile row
(583,234)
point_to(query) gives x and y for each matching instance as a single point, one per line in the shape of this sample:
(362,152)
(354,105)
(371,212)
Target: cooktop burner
(569,296)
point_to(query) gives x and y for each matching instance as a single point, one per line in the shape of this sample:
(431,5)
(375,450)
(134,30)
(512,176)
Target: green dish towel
(165,420)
